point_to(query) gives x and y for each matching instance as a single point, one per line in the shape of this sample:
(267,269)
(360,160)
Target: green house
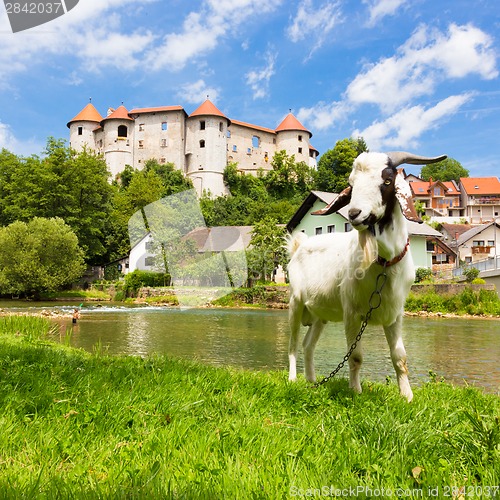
(421,235)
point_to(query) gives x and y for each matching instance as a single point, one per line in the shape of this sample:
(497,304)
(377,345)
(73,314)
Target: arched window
(122,131)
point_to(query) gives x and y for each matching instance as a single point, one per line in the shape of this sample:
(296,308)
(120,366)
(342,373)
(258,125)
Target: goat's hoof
(408,396)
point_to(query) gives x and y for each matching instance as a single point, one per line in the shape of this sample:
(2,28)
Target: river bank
(83,425)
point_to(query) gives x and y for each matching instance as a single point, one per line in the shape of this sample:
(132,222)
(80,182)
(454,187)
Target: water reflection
(460,350)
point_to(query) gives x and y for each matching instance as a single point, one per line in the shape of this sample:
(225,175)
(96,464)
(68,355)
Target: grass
(76,295)
(80,425)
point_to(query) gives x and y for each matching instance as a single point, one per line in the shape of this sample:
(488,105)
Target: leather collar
(388,263)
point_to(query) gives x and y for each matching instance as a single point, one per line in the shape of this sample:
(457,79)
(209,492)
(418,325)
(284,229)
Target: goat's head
(375,185)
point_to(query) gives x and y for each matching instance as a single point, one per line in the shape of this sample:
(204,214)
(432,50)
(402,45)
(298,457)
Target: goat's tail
(293,242)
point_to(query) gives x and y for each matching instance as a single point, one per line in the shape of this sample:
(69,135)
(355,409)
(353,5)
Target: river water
(462,351)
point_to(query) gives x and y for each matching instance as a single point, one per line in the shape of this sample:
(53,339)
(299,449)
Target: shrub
(471,273)
(137,279)
(423,274)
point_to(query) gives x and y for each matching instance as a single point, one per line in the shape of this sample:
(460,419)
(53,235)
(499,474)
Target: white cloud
(403,129)
(324,115)
(14,145)
(378,9)
(259,79)
(197,92)
(426,59)
(314,23)
(202,31)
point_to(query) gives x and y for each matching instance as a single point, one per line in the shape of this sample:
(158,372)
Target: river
(462,351)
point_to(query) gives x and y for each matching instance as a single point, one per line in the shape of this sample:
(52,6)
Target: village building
(480,198)
(200,144)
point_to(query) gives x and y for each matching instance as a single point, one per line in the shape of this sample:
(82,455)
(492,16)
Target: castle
(200,144)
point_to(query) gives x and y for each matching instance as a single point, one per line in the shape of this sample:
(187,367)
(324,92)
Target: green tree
(267,250)
(37,256)
(335,165)
(446,170)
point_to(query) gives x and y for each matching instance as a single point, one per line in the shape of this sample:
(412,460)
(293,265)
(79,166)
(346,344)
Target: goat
(333,275)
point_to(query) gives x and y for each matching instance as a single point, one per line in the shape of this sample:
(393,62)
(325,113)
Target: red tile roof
(249,125)
(87,114)
(480,185)
(138,111)
(291,123)
(208,108)
(119,113)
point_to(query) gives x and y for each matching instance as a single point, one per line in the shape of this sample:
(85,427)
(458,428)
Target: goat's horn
(400,157)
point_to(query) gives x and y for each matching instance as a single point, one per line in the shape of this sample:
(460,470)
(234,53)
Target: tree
(38,256)
(335,165)
(446,170)
(267,248)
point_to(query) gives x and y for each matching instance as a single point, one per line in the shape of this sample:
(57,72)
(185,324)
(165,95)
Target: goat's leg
(355,361)
(309,344)
(294,318)
(393,334)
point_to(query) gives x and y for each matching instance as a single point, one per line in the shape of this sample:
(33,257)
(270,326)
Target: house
(441,199)
(200,144)
(479,243)
(480,198)
(302,220)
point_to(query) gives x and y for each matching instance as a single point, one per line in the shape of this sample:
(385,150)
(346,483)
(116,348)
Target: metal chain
(374,302)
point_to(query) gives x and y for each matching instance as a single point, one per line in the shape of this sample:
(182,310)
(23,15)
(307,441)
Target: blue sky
(421,75)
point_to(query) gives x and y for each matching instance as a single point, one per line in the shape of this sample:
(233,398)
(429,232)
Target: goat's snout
(353,213)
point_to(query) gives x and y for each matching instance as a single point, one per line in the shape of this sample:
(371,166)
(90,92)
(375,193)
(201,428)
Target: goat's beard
(369,247)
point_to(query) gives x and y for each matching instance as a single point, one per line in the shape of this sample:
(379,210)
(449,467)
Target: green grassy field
(79,425)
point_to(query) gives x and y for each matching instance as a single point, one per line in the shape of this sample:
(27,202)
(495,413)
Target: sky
(420,76)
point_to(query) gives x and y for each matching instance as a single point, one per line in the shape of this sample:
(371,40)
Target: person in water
(76,316)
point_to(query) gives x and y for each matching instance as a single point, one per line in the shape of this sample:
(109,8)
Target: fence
(490,264)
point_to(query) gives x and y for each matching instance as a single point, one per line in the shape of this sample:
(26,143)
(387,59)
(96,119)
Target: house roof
(474,231)
(221,238)
(481,185)
(87,114)
(120,113)
(455,230)
(138,111)
(291,123)
(414,228)
(422,188)
(208,108)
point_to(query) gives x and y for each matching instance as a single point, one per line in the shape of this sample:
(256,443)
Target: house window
(149,261)
(202,124)
(491,243)
(347,227)
(318,230)
(149,245)
(437,192)
(234,148)
(255,141)
(164,143)
(122,131)
(478,243)
(80,130)
(202,143)
(141,127)
(141,144)
(164,125)
(330,228)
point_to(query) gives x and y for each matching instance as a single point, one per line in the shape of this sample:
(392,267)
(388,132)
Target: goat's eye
(387,182)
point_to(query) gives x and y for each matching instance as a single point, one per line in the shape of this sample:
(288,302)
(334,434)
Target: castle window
(274,140)
(255,141)
(141,127)
(141,144)
(249,151)
(266,156)
(234,148)
(300,150)
(202,124)
(163,160)
(300,138)
(164,125)
(221,126)
(122,131)
(202,143)
(228,134)
(164,143)
(80,130)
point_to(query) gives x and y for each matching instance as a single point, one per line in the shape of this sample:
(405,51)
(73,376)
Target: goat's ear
(341,201)
(403,194)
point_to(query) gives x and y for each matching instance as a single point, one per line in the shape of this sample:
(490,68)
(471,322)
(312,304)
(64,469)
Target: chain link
(374,302)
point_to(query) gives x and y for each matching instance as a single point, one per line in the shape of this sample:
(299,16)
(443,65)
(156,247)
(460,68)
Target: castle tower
(293,137)
(206,149)
(82,127)
(116,139)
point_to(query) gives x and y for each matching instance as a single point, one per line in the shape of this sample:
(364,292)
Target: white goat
(333,275)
